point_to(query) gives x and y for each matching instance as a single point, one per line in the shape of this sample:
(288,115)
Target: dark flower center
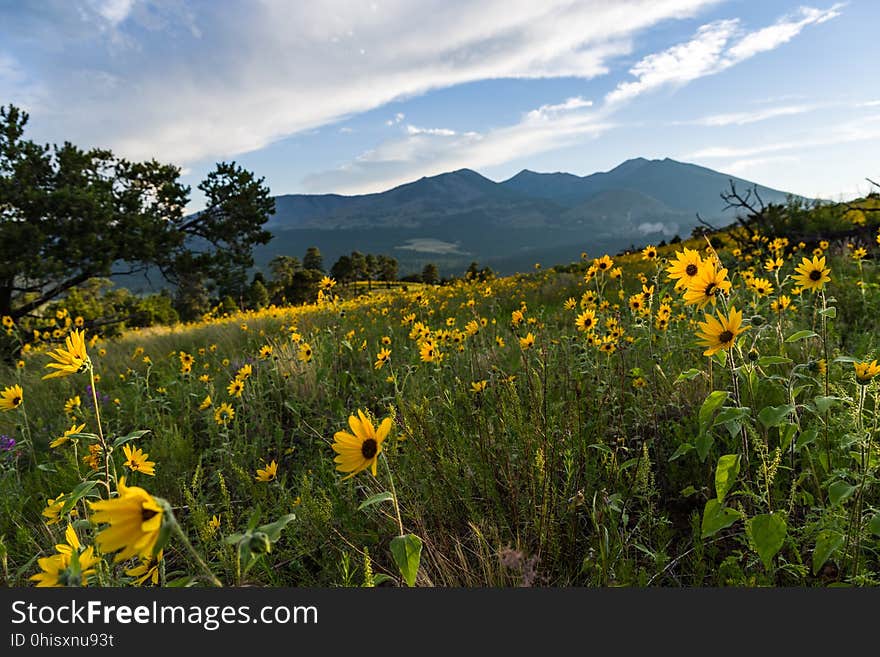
(725,337)
(691,270)
(146,514)
(710,289)
(16,401)
(815,275)
(369,448)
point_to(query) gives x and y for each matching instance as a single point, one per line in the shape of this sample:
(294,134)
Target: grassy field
(561,427)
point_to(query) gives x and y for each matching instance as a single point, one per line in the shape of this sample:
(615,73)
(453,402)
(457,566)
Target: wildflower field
(700,414)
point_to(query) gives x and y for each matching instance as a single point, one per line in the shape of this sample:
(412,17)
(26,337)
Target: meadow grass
(615,456)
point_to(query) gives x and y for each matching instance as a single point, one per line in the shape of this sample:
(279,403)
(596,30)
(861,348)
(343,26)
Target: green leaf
(874,524)
(732,413)
(254,519)
(824,403)
(764,361)
(731,418)
(384,496)
(181,582)
(626,465)
(797,390)
(407,552)
(800,335)
(768,534)
(725,475)
(681,450)
(75,496)
(273,529)
(703,444)
(712,402)
(806,438)
(717,517)
(134,435)
(773,416)
(827,543)
(687,491)
(688,375)
(786,435)
(830,312)
(839,491)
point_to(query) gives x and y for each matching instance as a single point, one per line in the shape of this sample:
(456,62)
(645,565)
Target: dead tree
(750,202)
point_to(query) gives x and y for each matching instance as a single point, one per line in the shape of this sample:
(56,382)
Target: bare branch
(706,223)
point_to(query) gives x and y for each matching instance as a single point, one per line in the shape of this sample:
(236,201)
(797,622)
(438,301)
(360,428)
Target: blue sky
(352,97)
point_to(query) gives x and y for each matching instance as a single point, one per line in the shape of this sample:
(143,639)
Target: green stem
(104,448)
(29,439)
(189,546)
(393,494)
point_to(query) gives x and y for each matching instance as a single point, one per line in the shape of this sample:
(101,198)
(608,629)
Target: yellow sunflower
(706,285)
(136,460)
(382,358)
(224,414)
(235,388)
(54,569)
(305,352)
(866,371)
(604,263)
(812,274)
(720,333)
(360,449)
(586,321)
(66,436)
(11,398)
(684,268)
(135,520)
(72,360)
(762,286)
(147,569)
(268,473)
(479,386)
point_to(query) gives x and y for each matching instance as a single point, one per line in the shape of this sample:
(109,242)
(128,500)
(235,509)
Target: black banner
(384,620)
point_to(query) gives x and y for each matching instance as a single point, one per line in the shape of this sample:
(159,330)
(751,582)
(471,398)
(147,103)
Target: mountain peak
(631,165)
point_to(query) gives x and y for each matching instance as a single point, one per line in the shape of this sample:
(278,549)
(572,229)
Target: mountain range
(454,218)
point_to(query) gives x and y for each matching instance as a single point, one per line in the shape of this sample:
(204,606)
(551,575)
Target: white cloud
(863,129)
(345,130)
(442,132)
(715,47)
(430,152)
(548,111)
(397,118)
(425,152)
(196,83)
(679,64)
(782,32)
(113,11)
(739,167)
(743,118)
